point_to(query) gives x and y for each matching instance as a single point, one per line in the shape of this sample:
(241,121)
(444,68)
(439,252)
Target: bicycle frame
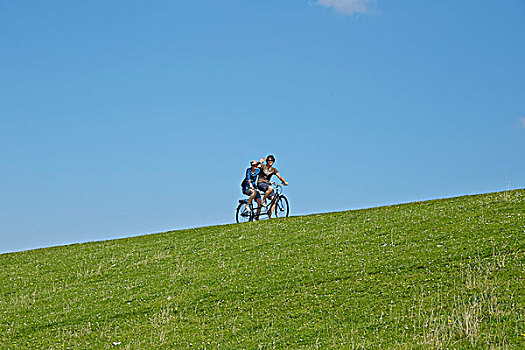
(277,205)
(277,192)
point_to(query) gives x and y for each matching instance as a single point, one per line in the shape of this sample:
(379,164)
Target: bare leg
(267,193)
(258,208)
(272,209)
(252,196)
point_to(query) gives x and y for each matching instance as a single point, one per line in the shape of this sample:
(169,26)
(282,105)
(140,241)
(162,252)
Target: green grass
(427,275)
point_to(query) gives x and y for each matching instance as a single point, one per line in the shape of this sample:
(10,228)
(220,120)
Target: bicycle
(279,202)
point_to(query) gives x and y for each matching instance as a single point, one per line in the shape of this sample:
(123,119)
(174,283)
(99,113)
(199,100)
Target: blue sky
(129,117)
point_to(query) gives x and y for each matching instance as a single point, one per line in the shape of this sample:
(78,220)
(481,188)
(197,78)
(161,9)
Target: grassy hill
(439,274)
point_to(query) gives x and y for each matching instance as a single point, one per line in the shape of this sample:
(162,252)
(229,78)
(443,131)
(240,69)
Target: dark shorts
(247,191)
(263,186)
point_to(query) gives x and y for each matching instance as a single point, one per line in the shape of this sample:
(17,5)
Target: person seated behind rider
(250,182)
(263,182)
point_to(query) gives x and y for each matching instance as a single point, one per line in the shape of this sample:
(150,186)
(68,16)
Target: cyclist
(263,182)
(249,184)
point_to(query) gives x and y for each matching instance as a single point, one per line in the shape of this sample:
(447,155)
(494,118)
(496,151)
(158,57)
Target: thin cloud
(521,122)
(347,7)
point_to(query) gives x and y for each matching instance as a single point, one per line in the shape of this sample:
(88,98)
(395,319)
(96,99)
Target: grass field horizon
(127,236)
(434,274)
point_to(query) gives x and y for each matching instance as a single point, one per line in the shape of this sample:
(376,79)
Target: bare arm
(248,171)
(261,161)
(282,179)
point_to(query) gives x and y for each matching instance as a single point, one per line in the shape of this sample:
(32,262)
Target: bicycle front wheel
(282,209)
(243,215)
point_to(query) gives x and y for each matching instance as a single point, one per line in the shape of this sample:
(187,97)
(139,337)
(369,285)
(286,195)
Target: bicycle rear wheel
(243,215)
(282,208)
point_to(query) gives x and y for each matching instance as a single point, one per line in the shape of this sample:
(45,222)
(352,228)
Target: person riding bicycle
(265,175)
(249,184)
